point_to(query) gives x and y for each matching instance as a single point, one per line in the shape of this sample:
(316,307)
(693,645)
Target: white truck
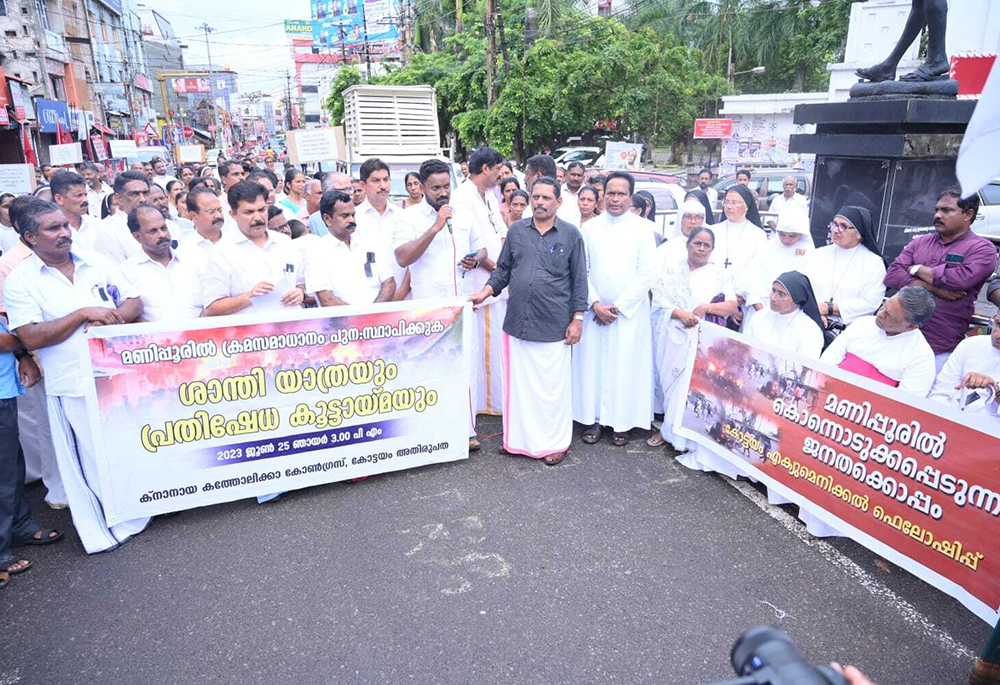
(397,124)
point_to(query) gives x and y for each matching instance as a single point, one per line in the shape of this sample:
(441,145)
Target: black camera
(766,656)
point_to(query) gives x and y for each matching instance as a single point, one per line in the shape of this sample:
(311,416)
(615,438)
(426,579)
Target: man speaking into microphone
(439,245)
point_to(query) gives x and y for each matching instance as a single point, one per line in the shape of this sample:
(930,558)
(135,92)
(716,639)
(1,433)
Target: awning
(103,129)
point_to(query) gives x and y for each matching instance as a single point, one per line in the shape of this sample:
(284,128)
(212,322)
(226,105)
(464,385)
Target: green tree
(344,79)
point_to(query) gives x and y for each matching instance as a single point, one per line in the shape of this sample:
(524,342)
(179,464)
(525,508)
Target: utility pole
(343,47)
(288,99)
(211,85)
(503,42)
(368,60)
(491,54)
(458,16)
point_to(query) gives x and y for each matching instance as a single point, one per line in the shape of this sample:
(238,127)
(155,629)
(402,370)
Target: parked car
(668,197)
(584,155)
(767,184)
(987,222)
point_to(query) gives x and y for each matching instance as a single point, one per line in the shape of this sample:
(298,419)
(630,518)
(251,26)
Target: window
(9,34)
(990,194)
(57,89)
(3,8)
(43,13)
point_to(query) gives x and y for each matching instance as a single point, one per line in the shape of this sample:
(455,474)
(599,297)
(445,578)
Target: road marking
(907,611)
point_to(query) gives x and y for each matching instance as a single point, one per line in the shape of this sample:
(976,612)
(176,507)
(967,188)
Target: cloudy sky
(249,36)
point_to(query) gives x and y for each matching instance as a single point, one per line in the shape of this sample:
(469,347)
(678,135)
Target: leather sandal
(49,535)
(553,459)
(592,435)
(619,439)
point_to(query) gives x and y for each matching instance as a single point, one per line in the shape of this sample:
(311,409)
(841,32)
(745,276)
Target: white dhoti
(538,407)
(489,374)
(77,461)
(656,318)
(36,442)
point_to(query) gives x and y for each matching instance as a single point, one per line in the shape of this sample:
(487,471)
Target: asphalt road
(617,566)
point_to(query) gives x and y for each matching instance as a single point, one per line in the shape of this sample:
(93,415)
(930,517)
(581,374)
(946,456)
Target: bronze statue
(934,15)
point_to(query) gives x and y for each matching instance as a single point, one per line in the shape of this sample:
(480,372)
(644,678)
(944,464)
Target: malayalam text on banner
(240,406)
(915,482)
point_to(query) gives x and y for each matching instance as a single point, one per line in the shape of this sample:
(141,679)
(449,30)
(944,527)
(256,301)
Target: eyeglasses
(838,227)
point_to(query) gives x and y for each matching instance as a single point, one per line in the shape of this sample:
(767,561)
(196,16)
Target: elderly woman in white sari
(673,251)
(688,291)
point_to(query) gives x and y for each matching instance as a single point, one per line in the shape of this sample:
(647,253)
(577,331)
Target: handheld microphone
(447,222)
(173,244)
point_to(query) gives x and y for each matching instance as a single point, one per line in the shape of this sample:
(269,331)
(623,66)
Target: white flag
(978,162)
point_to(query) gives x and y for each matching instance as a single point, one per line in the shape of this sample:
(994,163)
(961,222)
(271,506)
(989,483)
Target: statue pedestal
(905,90)
(893,157)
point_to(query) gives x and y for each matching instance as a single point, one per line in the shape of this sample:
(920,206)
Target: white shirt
(237,265)
(973,355)
(196,243)
(905,357)
(340,268)
(163,180)
(569,210)
(8,238)
(489,221)
(378,231)
(796,200)
(437,272)
(853,278)
(95,198)
(794,332)
(37,293)
(169,293)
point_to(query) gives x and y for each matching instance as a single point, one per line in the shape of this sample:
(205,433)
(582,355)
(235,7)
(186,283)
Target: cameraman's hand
(853,675)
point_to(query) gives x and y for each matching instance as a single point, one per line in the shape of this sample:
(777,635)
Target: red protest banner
(915,482)
(713,128)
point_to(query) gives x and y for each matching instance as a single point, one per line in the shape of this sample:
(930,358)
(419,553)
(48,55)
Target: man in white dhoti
(738,239)
(51,299)
(613,366)
(477,200)
(32,415)
(440,245)
(543,261)
(970,379)
(889,348)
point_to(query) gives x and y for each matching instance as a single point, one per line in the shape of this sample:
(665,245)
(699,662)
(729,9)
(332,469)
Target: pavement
(617,566)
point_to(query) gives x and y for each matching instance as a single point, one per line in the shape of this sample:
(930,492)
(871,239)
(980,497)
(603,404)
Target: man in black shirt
(544,263)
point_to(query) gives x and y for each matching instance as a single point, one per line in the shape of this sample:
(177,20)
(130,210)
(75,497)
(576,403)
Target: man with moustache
(168,280)
(345,266)
(97,189)
(953,264)
(439,246)
(334,180)
(52,298)
(69,191)
(158,198)
(377,218)
(205,212)
(114,240)
(704,178)
(255,267)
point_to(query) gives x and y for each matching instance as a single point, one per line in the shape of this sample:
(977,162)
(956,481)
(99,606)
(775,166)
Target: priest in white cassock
(477,200)
(970,379)
(543,261)
(786,250)
(889,348)
(738,240)
(613,365)
(847,275)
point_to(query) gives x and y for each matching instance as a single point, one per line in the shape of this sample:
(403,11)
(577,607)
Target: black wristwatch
(829,307)
(21,354)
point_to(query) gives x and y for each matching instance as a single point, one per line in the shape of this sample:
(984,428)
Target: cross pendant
(727,263)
